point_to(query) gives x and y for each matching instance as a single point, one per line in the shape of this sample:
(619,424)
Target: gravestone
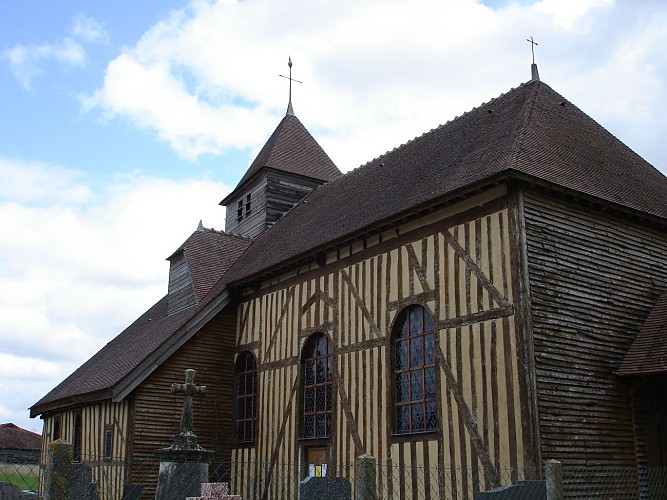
(215,491)
(63,479)
(319,488)
(132,491)
(81,484)
(9,491)
(522,490)
(184,464)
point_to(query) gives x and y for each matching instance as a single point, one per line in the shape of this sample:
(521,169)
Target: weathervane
(535,75)
(290,111)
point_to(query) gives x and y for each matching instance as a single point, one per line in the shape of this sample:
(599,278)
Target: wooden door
(316,461)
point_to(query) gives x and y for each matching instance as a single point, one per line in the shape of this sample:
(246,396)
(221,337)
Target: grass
(24,482)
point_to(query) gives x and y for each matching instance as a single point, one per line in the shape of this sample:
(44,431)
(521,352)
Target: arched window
(413,342)
(246,397)
(317,370)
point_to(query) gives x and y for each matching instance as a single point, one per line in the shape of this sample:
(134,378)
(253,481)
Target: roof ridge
(522,125)
(438,127)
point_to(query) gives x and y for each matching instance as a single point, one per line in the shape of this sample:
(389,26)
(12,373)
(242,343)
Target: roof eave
(501,176)
(592,199)
(131,381)
(378,226)
(70,401)
(241,187)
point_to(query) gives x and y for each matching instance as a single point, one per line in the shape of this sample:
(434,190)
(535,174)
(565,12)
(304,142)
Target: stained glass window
(246,397)
(108,443)
(317,396)
(414,371)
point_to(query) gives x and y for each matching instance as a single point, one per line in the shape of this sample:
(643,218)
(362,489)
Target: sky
(124,123)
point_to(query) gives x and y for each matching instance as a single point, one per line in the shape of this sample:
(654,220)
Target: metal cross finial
(532,47)
(290,111)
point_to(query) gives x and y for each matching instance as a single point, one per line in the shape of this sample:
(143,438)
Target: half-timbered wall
(455,262)
(95,420)
(593,279)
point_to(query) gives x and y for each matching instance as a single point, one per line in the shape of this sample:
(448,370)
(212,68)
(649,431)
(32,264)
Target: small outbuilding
(19,445)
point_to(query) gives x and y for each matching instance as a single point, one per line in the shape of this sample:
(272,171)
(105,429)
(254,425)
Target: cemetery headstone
(9,491)
(331,488)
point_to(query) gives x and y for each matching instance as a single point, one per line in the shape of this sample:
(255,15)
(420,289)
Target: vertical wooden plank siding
(593,280)
(253,223)
(95,420)
(181,287)
(460,270)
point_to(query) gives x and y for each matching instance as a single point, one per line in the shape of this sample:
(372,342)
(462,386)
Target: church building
(484,298)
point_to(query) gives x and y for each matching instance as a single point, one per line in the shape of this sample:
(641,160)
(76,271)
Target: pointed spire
(534,74)
(200,227)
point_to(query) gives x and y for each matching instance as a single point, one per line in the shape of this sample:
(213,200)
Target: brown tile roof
(212,252)
(530,131)
(292,149)
(13,437)
(209,254)
(648,353)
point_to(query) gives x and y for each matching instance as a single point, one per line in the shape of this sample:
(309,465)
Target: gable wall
(593,279)
(457,263)
(210,353)
(181,287)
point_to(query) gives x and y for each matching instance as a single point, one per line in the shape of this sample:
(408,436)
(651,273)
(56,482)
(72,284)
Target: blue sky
(50,123)
(124,123)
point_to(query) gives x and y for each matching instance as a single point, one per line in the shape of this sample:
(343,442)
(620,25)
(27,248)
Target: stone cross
(187,436)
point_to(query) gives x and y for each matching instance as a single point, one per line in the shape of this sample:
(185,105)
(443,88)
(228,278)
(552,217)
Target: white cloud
(88,29)
(572,14)
(35,182)
(73,274)
(27,61)
(375,73)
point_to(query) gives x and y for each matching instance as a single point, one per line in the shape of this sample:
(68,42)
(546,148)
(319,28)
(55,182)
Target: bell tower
(289,166)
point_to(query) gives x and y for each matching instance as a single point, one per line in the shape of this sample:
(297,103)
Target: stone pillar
(182,472)
(553,474)
(365,480)
(58,465)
